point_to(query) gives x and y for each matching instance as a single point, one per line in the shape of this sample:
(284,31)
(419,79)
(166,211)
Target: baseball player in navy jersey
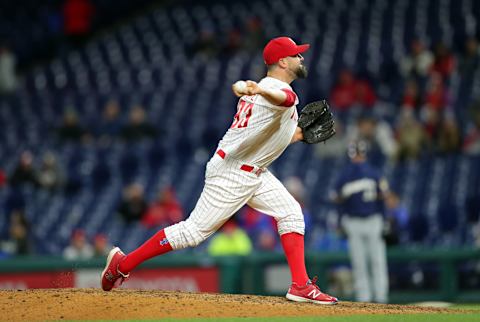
(237,174)
(360,190)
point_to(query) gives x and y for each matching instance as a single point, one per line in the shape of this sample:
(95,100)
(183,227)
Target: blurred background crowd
(109,111)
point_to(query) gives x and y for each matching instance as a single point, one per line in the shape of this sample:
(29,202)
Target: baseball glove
(316,122)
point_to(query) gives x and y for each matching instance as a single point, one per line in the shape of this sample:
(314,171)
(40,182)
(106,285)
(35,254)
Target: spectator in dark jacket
(24,173)
(18,242)
(110,124)
(470,59)
(133,205)
(138,128)
(71,130)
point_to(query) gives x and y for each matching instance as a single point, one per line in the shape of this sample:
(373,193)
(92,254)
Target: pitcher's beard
(301,71)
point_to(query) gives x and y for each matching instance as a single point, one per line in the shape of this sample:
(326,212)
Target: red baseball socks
(158,244)
(293,246)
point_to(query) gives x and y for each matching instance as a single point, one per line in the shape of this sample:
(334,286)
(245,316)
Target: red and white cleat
(309,293)
(111,274)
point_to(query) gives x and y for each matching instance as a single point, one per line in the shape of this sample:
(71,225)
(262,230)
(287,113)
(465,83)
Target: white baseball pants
(227,188)
(368,257)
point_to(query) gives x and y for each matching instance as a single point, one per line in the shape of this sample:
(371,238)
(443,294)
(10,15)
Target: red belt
(244,167)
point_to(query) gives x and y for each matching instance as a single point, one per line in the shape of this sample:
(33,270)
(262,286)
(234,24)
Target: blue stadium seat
(146,60)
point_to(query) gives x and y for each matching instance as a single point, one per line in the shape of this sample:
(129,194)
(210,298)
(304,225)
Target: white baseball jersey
(236,174)
(261,131)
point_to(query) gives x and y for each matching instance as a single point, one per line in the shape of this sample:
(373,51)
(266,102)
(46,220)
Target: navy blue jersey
(359,189)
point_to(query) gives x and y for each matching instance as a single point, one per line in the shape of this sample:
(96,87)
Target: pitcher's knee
(293,223)
(185,234)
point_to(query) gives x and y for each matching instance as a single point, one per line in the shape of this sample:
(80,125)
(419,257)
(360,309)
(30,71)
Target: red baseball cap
(282,47)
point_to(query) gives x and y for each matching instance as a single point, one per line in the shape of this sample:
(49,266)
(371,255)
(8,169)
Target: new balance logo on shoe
(309,292)
(314,294)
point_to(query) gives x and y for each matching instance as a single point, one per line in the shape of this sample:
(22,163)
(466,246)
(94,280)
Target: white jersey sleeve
(273,83)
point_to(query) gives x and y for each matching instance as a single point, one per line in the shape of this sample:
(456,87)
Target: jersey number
(244,112)
(369,195)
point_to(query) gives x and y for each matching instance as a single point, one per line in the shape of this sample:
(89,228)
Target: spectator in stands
(71,130)
(266,240)
(396,220)
(206,45)
(435,102)
(328,239)
(263,228)
(436,93)
(411,136)
(342,96)
(471,142)
(50,174)
(101,246)
(254,35)
(133,205)
(138,127)
(25,172)
(350,91)
(335,146)
(8,77)
(411,99)
(230,240)
(19,235)
(377,133)
(359,191)
(110,124)
(470,59)
(448,140)
(444,62)
(258,226)
(418,63)
(3,178)
(79,248)
(364,93)
(250,220)
(431,123)
(78,19)
(164,211)
(234,42)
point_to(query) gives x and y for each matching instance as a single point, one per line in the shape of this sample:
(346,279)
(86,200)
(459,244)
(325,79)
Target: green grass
(468,317)
(472,306)
(356,318)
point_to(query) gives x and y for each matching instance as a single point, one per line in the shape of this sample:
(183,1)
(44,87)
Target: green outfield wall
(259,273)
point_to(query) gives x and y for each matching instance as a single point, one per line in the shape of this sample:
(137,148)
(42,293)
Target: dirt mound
(94,304)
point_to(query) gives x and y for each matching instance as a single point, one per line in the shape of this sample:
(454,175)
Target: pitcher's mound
(94,304)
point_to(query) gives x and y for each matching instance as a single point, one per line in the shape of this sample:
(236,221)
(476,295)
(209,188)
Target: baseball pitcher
(265,124)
